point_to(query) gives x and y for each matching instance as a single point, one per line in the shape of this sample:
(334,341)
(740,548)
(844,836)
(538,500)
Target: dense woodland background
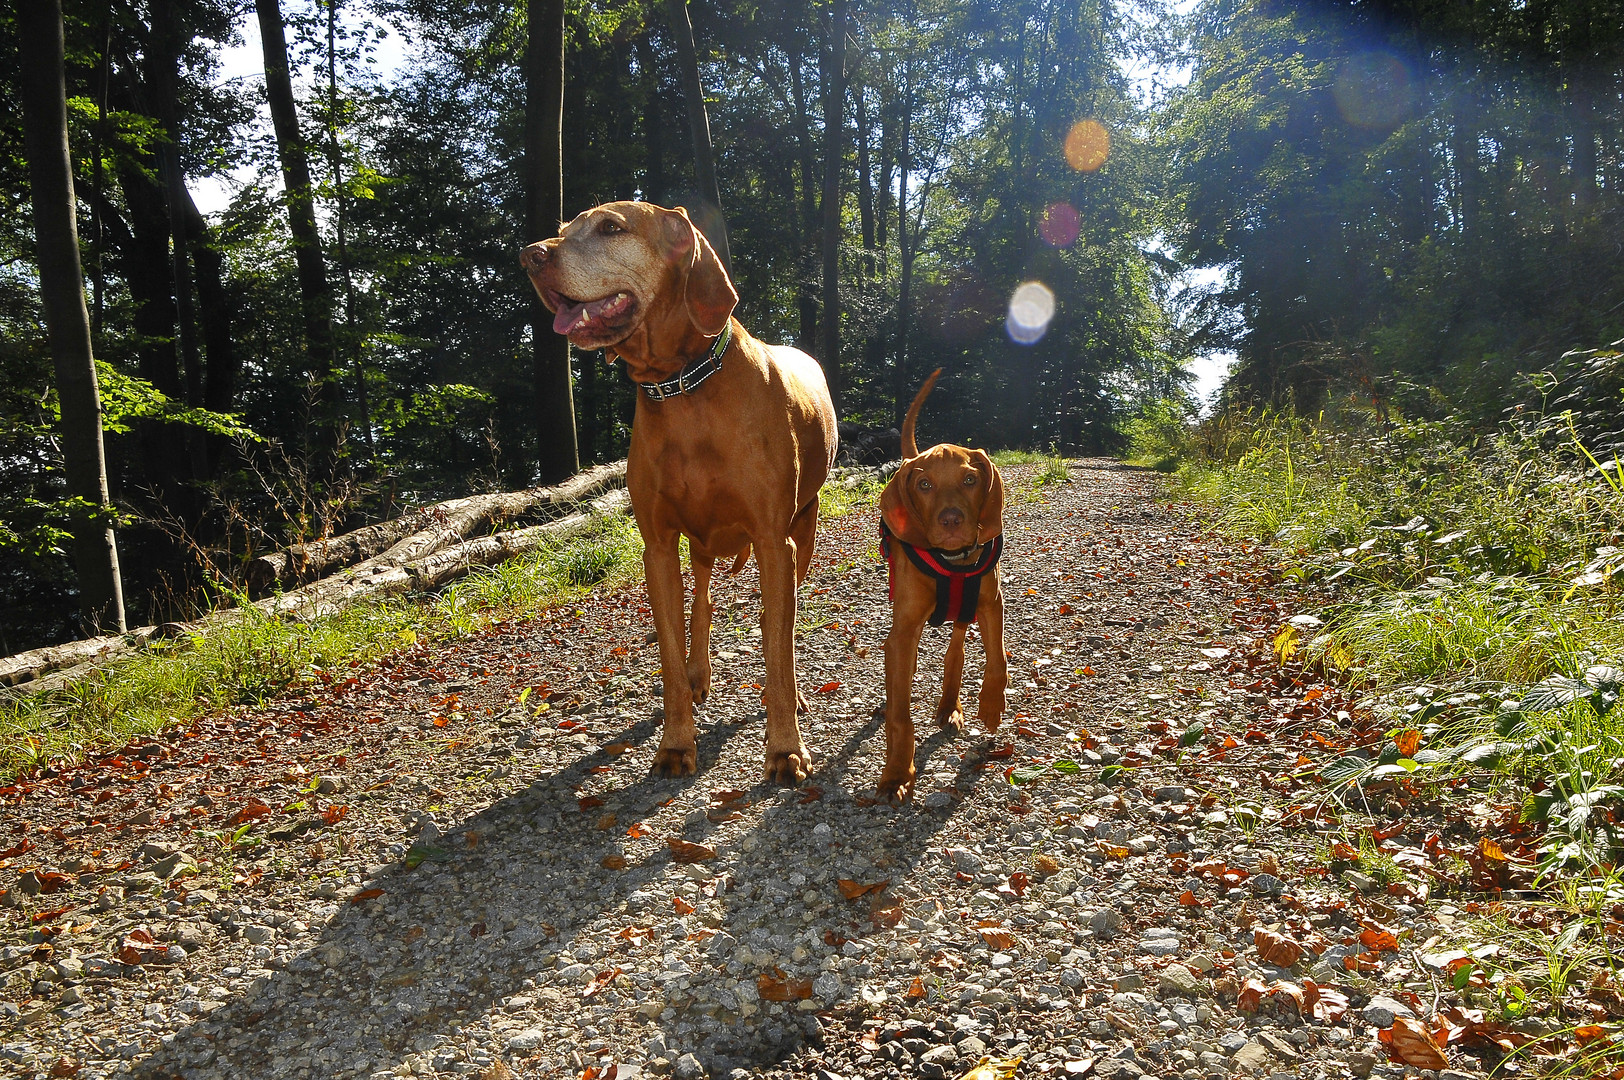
(1409,208)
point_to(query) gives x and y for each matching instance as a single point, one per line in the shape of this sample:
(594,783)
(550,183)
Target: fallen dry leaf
(1277,949)
(613,862)
(682,906)
(852,890)
(916,989)
(684,852)
(780,987)
(366,894)
(1411,1043)
(1046,865)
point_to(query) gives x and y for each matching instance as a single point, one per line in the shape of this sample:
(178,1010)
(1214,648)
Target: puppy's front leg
(995,680)
(949,713)
(901,659)
(662,568)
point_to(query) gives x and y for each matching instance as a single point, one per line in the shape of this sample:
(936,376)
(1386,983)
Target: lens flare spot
(1060,225)
(1030,310)
(1373,90)
(1088,144)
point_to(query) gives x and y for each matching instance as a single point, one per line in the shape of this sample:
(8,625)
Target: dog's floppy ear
(708,293)
(991,521)
(898,512)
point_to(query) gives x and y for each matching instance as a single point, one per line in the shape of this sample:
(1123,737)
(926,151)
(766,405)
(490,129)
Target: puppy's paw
(676,761)
(989,721)
(788,767)
(699,681)
(950,714)
(896,790)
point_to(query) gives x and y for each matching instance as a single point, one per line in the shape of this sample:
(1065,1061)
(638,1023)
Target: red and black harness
(958,588)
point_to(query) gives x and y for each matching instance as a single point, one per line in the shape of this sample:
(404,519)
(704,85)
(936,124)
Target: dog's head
(948,497)
(637,280)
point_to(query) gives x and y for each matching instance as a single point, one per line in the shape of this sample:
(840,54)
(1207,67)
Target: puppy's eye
(925,485)
(607,227)
(970,481)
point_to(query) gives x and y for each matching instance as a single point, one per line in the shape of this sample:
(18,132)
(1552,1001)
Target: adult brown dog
(947,505)
(730,456)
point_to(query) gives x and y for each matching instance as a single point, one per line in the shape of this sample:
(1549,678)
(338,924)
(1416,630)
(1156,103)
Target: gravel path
(452,879)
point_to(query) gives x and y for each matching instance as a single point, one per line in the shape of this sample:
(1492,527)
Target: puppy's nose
(951,518)
(534,257)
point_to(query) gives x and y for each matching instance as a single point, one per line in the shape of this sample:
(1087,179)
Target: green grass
(1051,467)
(849,495)
(259,658)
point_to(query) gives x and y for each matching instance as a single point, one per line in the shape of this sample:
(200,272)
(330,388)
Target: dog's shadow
(527,887)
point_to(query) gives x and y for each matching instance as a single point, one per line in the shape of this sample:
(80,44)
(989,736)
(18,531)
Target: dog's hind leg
(949,713)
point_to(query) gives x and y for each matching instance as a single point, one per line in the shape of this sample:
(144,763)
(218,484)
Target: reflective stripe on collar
(691,376)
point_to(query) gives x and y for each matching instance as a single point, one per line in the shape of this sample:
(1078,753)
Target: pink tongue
(568,313)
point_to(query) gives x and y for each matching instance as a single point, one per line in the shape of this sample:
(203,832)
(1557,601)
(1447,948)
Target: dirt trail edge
(457,863)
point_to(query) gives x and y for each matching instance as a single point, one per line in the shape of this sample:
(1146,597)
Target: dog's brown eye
(925,485)
(609,227)
(970,481)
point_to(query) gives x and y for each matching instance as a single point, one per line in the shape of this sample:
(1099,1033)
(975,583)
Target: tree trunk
(709,217)
(865,181)
(67,322)
(904,251)
(834,155)
(654,181)
(556,453)
(315,294)
(163,73)
(352,337)
(807,336)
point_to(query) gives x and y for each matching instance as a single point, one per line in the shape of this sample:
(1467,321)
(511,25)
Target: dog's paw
(699,682)
(950,714)
(788,767)
(676,761)
(895,790)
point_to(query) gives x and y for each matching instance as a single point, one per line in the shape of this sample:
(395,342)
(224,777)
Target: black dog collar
(694,374)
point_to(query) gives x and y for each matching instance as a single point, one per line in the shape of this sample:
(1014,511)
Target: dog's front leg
(662,568)
(995,679)
(788,760)
(901,658)
(699,662)
(949,713)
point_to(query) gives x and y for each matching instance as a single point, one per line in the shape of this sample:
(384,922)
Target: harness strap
(958,589)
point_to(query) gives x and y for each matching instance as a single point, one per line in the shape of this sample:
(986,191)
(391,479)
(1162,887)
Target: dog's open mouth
(584,316)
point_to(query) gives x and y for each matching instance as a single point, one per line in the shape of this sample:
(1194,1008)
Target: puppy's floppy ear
(898,512)
(709,294)
(991,521)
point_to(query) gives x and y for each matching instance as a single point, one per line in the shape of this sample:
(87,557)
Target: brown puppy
(947,505)
(730,457)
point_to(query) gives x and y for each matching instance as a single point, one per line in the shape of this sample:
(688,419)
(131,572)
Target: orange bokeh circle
(1088,144)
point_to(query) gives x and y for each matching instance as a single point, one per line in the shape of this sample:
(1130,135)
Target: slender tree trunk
(865,180)
(807,336)
(98,242)
(654,181)
(834,155)
(904,250)
(557,455)
(67,323)
(709,218)
(315,294)
(352,337)
(1584,141)
(163,73)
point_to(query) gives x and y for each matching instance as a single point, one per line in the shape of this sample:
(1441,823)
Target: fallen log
(418,532)
(437,568)
(50,667)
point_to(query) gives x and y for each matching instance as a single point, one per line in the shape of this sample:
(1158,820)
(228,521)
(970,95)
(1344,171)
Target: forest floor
(455,862)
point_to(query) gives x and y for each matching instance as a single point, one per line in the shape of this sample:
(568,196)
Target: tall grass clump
(1471,582)
(258,658)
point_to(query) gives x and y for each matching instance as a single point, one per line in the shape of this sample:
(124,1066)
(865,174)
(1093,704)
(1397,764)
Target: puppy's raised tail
(910,449)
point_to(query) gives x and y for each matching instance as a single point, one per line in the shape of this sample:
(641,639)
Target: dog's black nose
(951,517)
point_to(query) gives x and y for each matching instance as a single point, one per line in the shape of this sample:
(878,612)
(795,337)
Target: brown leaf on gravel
(995,935)
(615,749)
(366,894)
(253,809)
(778,986)
(1046,865)
(599,981)
(810,794)
(613,862)
(682,906)
(1324,1003)
(1277,949)
(65,1067)
(916,989)
(682,851)
(1410,1042)
(1251,995)
(851,889)
(726,798)
(945,961)
(889,915)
